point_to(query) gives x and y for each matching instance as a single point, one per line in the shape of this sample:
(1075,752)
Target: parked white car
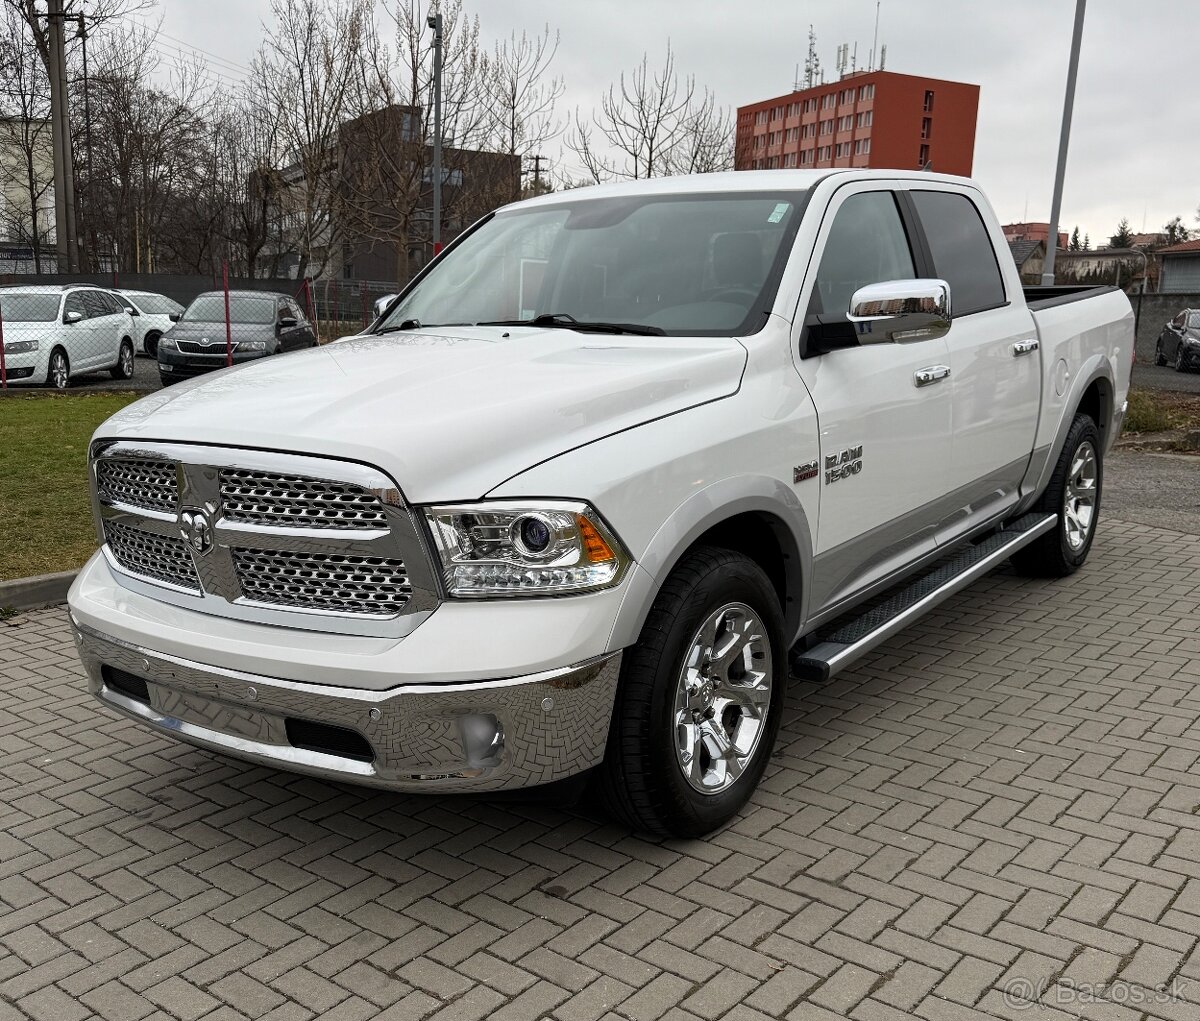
(54,333)
(152,318)
(597,478)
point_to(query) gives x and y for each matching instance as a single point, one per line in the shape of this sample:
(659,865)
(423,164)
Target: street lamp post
(1064,138)
(435,22)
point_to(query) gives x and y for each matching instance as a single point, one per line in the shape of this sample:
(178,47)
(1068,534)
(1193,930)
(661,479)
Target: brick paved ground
(1007,793)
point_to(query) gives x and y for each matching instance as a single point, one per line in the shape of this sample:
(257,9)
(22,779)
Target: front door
(885,440)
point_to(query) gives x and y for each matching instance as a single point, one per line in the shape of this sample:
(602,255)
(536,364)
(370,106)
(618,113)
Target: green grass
(1153,411)
(45,511)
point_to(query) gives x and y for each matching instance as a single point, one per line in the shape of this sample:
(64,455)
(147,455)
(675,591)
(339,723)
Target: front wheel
(58,374)
(151,344)
(124,367)
(1180,359)
(1074,495)
(699,700)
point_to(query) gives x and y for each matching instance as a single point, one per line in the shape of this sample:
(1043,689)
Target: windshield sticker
(779,212)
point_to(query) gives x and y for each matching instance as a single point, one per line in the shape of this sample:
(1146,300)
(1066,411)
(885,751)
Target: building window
(923,157)
(863,120)
(926,126)
(862,147)
(866,92)
(928,101)
(806,157)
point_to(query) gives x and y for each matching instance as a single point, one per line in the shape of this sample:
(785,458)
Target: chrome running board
(851,637)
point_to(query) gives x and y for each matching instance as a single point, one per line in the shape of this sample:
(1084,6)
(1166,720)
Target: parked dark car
(261,323)
(1179,342)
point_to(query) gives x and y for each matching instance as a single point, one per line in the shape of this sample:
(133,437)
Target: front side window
(1194,321)
(866,245)
(702,265)
(962,252)
(74,303)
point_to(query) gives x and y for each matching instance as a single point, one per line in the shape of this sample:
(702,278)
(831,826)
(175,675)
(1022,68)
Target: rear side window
(95,304)
(962,252)
(866,245)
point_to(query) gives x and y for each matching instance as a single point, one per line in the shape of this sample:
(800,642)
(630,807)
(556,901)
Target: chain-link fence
(57,334)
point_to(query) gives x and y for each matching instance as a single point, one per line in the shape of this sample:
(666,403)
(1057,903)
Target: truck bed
(1046,296)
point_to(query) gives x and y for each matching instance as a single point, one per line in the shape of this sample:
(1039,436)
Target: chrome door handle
(930,375)
(1024,347)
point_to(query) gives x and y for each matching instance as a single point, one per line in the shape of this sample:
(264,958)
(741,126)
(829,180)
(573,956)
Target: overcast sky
(1135,145)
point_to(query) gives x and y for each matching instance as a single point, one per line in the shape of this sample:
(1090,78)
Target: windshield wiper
(407,324)
(566,321)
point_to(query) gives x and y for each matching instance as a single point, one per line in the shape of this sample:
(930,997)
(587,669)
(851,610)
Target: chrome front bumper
(493,735)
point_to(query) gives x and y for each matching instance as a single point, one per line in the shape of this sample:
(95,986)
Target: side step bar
(854,637)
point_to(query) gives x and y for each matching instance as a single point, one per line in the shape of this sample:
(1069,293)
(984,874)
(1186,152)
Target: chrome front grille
(270,498)
(323,581)
(147,484)
(285,539)
(160,557)
(190,347)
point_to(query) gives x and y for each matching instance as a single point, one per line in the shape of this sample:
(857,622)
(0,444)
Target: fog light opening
(482,739)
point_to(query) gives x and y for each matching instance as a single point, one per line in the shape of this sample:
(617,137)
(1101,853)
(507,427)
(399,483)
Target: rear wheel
(124,367)
(699,700)
(58,374)
(1074,495)
(1180,359)
(151,344)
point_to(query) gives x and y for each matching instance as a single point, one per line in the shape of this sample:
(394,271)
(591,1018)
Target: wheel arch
(758,517)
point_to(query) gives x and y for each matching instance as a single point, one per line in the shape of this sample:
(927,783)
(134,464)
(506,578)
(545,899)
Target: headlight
(167,344)
(250,345)
(552,547)
(17,347)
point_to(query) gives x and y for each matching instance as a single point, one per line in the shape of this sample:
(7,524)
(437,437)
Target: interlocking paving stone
(1002,797)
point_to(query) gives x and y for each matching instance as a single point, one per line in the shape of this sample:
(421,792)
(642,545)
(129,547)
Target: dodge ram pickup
(604,475)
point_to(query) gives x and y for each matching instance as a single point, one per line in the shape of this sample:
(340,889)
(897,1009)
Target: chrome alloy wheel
(722,698)
(59,373)
(1079,501)
(126,360)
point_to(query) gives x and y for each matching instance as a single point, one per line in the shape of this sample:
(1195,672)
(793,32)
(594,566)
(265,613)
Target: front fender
(702,511)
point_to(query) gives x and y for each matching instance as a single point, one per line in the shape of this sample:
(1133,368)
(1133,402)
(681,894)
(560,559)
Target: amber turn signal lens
(597,550)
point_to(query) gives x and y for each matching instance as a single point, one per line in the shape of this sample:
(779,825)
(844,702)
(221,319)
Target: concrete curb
(34,593)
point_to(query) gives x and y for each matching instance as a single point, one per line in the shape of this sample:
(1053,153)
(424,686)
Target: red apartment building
(866,119)
(1032,232)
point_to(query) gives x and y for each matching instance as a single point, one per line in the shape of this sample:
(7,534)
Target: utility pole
(537,173)
(66,240)
(89,217)
(1064,138)
(434,21)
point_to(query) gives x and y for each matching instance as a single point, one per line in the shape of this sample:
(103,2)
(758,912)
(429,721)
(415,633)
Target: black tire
(150,343)
(1159,358)
(124,367)
(1180,361)
(58,371)
(641,781)
(1059,552)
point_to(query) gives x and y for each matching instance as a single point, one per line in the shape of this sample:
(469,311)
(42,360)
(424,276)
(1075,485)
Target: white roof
(733,181)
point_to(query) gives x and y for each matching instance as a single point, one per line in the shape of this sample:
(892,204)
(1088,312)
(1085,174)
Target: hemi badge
(808,470)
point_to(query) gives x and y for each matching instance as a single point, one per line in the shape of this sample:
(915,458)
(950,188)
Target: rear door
(103,330)
(995,365)
(885,441)
(80,338)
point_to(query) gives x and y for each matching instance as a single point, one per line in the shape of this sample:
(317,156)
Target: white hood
(448,413)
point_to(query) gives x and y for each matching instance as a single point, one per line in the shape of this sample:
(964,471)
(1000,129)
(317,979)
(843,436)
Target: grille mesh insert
(268,498)
(161,557)
(340,583)
(150,485)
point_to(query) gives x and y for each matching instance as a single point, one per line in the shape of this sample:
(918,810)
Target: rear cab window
(961,249)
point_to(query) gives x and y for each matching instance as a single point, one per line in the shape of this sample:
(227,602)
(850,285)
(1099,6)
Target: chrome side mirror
(900,310)
(73,317)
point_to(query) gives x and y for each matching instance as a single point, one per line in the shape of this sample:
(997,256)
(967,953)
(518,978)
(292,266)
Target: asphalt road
(1161,490)
(145,377)
(1155,377)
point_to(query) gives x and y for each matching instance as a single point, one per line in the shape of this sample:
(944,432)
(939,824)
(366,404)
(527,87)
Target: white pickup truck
(608,468)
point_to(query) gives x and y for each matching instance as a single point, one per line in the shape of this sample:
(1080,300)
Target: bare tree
(385,176)
(522,96)
(308,62)
(641,120)
(706,142)
(26,155)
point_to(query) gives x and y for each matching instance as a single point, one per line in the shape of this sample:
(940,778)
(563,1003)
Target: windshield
(158,304)
(28,308)
(210,308)
(704,265)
